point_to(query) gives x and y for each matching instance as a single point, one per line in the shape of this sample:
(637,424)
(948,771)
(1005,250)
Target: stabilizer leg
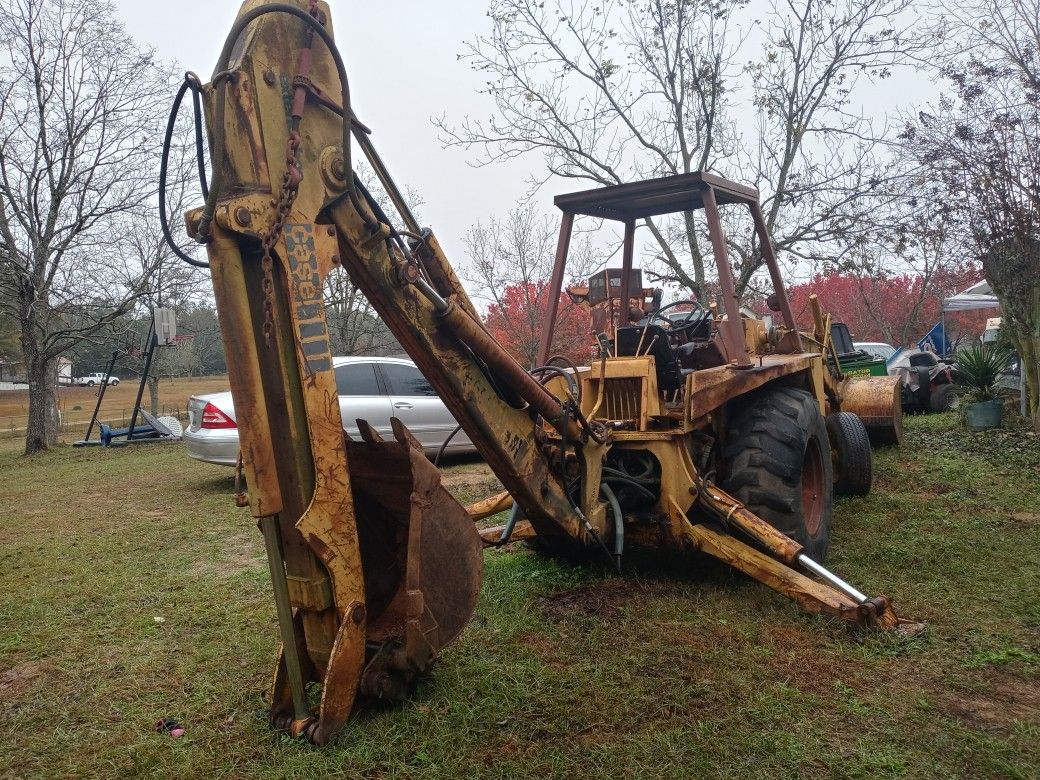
(832,596)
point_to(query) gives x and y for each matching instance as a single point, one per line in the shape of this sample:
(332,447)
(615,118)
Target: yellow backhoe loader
(703,433)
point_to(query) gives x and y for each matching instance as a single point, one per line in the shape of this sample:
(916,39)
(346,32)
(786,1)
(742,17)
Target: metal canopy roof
(627,202)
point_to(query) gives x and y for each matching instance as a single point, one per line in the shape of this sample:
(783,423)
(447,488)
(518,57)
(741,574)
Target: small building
(64,371)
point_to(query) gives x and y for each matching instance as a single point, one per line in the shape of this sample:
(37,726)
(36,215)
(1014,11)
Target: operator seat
(655,342)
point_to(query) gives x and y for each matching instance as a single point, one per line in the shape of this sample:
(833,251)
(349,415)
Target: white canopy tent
(978,296)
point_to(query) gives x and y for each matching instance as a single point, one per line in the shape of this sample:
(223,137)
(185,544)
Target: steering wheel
(672,324)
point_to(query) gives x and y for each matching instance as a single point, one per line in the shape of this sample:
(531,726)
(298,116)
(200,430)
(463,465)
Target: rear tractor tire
(853,459)
(777,462)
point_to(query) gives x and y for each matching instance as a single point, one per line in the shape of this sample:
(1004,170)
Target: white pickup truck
(96,379)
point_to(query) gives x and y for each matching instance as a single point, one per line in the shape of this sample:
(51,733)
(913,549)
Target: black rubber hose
(619,522)
(444,446)
(625,481)
(191,81)
(514,515)
(631,477)
(568,364)
(572,383)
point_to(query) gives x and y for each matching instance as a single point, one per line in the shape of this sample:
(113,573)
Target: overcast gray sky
(401,57)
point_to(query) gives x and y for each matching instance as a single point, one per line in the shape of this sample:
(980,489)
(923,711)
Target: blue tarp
(937,340)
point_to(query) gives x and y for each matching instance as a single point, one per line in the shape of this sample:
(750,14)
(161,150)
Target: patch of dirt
(1027,519)
(469,475)
(601,599)
(238,556)
(799,658)
(18,679)
(544,648)
(1006,699)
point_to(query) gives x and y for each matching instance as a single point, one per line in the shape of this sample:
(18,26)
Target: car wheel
(853,458)
(90,383)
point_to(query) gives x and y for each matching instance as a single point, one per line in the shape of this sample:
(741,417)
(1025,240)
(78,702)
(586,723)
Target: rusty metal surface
(627,252)
(663,195)
(522,531)
(710,388)
(555,288)
(810,594)
(484,345)
(733,513)
(382,565)
(481,510)
(733,331)
(879,403)
(268,260)
(765,243)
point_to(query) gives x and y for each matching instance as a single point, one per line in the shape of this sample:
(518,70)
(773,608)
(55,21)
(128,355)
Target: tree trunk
(41,430)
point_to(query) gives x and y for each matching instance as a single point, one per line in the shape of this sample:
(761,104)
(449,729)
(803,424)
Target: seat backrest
(842,339)
(655,342)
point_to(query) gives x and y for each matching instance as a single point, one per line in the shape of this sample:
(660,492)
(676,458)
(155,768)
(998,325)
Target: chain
(282,207)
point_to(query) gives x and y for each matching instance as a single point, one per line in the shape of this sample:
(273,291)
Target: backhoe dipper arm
(265,95)
(374,565)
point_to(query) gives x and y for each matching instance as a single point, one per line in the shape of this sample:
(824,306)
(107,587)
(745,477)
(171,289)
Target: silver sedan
(372,389)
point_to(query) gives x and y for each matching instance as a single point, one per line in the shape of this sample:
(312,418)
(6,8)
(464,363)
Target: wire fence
(77,420)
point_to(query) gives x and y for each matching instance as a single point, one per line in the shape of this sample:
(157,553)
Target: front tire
(777,462)
(853,458)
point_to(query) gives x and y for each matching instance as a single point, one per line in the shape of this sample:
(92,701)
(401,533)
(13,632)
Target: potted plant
(978,370)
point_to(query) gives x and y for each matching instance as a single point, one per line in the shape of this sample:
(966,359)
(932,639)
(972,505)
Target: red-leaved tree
(898,310)
(516,323)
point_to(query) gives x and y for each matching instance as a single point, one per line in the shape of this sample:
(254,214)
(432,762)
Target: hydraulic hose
(619,522)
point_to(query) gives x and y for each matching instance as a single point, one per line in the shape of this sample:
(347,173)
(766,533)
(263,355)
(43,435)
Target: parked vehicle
(370,388)
(928,382)
(96,379)
(878,349)
(854,360)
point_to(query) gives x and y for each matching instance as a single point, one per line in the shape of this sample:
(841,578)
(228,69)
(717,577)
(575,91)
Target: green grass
(679,669)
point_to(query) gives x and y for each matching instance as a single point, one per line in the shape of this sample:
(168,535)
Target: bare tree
(521,249)
(609,92)
(618,91)
(354,326)
(980,143)
(818,161)
(79,135)
(513,258)
(172,283)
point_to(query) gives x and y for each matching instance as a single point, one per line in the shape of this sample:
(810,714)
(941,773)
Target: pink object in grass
(175,733)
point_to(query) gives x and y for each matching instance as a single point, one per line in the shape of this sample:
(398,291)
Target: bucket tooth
(403,435)
(369,434)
